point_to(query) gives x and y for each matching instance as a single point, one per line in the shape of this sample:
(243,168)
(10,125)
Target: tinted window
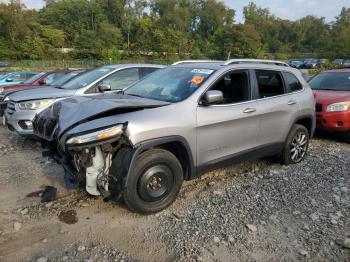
(122,79)
(234,87)
(331,81)
(270,83)
(292,82)
(144,71)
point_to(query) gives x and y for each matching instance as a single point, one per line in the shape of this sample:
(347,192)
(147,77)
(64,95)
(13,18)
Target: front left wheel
(154,181)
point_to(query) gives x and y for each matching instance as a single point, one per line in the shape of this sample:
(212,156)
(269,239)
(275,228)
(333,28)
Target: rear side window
(292,82)
(270,83)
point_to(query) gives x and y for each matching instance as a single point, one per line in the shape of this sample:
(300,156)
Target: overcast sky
(286,9)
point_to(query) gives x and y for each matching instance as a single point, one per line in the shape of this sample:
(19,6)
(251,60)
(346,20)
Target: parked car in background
(346,63)
(16,78)
(4,64)
(61,79)
(296,63)
(311,63)
(176,124)
(40,79)
(24,105)
(332,92)
(338,61)
(2,74)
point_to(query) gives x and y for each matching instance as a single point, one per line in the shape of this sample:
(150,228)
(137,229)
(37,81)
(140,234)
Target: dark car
(296,63)
(311,63)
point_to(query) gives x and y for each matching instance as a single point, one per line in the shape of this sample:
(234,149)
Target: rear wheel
(154,182)
(296,146)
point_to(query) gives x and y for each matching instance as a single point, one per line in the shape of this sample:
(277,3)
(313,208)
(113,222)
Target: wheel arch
(308,121)
(177,145)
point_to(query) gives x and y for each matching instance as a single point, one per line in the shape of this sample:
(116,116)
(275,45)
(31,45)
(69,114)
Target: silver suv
(24,105)
(176,124)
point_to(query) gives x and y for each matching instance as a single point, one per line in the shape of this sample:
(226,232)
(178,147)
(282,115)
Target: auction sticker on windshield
(202,71)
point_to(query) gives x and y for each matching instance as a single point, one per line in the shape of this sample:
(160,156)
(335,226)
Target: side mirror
(42,82)
(9,80)
(104,88)
(212,97)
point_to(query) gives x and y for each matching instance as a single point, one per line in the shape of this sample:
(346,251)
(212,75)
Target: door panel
(225,130)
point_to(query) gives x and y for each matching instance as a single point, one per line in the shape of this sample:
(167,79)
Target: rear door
(230,128)
(278,107)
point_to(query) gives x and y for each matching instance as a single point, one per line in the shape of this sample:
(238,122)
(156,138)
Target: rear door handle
(249,110)
(291,102)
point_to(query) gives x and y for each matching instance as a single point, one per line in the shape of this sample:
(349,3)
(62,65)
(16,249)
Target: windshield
(172,84)
(87,78)
(33,78)
(64,79)
(331,81)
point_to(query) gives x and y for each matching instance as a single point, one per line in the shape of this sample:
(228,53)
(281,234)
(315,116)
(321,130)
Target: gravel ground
(253,211)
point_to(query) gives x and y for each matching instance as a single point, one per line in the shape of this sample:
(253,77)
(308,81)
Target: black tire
(154,181)
(293,146)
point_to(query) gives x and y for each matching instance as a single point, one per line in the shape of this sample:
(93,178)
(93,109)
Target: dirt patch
(68,217)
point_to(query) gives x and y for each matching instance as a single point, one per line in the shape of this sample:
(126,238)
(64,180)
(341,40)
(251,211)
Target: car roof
(204,65)
(132,65)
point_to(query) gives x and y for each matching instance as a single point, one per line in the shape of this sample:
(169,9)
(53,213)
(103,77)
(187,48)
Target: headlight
(96,136)
(7,98)
(338,107)
(35,104)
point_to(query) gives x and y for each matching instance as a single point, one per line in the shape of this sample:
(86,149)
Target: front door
(230,128)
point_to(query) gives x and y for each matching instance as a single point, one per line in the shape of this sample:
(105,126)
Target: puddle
(68,217)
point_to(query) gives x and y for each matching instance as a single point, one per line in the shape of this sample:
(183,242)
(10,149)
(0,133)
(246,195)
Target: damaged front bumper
(98,166)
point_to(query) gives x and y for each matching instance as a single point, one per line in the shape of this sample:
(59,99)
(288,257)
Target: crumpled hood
(78,109)
(329,97)
(41,93)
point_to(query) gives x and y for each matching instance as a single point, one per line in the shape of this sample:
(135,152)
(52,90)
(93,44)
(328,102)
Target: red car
(44,78)
(332,93)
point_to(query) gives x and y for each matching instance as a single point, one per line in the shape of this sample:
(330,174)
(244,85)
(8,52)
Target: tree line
(164,30)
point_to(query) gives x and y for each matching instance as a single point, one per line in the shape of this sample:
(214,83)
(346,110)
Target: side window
(270,83)
(144,71)
(234,86)
(18,77)
(52,77)
(292,82)
(122,79)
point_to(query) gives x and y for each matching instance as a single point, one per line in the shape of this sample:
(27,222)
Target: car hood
(76,110)
(330,96)
(41,93)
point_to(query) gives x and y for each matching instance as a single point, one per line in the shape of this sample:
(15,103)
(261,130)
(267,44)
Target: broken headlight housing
(35,104)
(96,136)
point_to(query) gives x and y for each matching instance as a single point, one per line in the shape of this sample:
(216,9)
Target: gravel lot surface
(253,211)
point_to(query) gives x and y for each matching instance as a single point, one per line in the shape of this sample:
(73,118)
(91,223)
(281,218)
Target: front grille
(11,107)
(44,127)
(2,97)
(318,108)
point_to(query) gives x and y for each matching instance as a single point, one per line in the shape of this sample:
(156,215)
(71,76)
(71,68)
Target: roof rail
(256,61)
(196,61)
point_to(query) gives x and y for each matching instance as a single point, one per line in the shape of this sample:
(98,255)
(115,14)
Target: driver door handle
(249,110)
(291,102)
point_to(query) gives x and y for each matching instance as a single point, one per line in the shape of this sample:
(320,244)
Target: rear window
(270,83)
(292,82)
